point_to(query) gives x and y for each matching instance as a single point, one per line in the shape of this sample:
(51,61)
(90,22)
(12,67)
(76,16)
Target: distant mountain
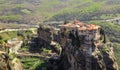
(35,11)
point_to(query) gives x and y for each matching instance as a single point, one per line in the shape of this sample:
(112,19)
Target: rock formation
(8,58)
(49,38)
(4,62)
(84,47)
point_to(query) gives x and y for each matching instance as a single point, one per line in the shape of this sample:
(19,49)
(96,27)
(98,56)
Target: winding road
(9,30)
(32,54)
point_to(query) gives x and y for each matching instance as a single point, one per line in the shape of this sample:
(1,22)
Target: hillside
(90,9)
(35,11)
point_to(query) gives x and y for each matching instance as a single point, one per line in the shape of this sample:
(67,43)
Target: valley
(31,37)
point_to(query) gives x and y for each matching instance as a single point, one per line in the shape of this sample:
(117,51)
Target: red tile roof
(77,22)
(81,26)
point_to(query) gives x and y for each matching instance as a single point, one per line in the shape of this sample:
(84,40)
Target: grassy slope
(39,10)
(88,9)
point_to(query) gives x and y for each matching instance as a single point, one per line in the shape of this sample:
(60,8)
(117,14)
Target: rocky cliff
(49,38)
(74,58)
(6,63)
(84,47)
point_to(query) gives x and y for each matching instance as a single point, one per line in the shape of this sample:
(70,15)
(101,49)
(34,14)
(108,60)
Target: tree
(1,37)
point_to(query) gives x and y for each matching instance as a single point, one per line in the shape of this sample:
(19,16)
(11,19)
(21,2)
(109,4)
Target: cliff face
(9,64)
(4,62)
(88,51)
(97,59)
(49,38)
(84,47)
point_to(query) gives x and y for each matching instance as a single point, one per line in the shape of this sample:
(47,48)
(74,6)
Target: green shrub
(40,65)
(46,50)
(26,11)
(10,17)
(12,55)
